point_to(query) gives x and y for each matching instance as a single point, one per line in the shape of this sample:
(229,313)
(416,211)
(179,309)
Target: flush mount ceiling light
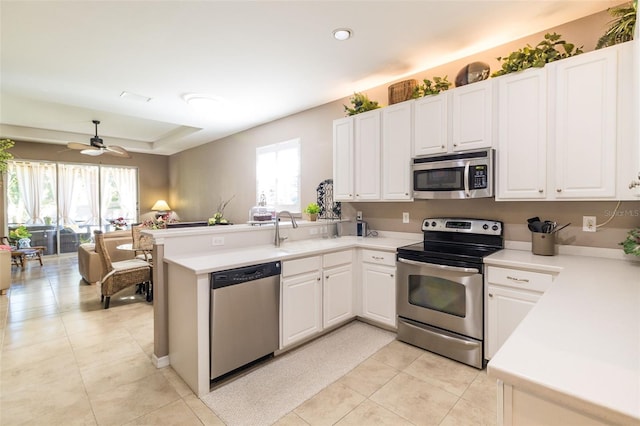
(342,34)
(202,103)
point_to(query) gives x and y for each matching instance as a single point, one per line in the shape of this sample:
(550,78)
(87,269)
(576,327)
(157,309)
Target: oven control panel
(472,226)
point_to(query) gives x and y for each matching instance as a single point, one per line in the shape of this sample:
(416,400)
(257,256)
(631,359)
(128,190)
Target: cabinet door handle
(377,257)
(327,277)
(541,190)
(490,294)
(318,278)
(559,190)
(518,280)
(391,275)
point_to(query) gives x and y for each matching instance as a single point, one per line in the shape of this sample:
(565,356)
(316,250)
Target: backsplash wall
(388,217)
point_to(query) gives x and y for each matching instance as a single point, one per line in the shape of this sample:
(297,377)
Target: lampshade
(161,206)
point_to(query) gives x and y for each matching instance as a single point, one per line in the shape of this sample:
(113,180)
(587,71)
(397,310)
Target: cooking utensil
(560,228)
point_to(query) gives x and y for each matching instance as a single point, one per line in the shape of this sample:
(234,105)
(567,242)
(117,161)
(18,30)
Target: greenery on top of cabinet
(537,57)
(622,27)
(440,84)
(361,103)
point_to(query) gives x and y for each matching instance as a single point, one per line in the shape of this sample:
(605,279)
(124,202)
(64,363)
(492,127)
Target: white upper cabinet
(471,118)
(565,131)
(585,124)
(397,136)
(367,155)
(522,135)
(431,125)
(343,189)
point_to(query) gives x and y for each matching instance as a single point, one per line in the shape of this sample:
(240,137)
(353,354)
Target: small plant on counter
(218,218)
(312,208)
(361,103)
(539,56)
(631,245)
(440,84)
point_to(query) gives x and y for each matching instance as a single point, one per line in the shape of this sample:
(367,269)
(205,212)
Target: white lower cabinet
(301,300)
(511,293)
(317,293)
(378,287)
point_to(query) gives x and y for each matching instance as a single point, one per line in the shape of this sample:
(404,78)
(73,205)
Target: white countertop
(234,258)
(580,344)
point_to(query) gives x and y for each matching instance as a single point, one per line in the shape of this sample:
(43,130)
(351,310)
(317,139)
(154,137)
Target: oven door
(442,296)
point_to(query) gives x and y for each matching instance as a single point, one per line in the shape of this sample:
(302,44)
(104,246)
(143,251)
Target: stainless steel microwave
(454,176)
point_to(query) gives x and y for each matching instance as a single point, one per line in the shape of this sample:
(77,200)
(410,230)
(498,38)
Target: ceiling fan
(97,147)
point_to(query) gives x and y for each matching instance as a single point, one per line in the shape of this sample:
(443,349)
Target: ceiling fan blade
(77,145)
(117,151)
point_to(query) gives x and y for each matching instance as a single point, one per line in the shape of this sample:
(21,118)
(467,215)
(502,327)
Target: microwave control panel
(478,177)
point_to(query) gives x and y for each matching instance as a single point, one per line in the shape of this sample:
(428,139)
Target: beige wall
(201,176)
(153,173)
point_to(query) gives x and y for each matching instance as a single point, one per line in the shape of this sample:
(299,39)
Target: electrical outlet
(589,223)
(218,241)
(405,217)
(358,215)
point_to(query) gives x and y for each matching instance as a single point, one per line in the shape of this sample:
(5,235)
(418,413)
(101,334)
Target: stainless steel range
(440,287)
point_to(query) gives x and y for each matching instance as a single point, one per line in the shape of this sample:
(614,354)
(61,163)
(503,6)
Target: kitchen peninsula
(575,358)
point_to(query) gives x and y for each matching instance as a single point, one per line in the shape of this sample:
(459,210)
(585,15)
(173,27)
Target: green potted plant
(537,57)
(361,103)
(622,27)
(20,236)
(631,245)
(312,211)
(5,156)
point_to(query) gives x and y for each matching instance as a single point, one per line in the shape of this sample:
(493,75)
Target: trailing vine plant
(537,57)
(5,156)
(439,84)
(622,27)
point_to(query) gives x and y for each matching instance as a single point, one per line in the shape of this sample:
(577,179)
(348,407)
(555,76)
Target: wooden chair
(122,274)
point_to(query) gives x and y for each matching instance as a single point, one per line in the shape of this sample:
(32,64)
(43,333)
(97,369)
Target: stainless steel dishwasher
(245,305)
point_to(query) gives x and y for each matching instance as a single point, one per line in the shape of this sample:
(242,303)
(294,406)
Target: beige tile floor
(65,360)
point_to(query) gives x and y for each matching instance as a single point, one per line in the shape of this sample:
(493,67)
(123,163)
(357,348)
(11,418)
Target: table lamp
(161,207)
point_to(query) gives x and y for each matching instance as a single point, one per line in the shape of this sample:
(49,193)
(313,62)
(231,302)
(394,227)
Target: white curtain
(124,179)
(66,175)
(30,176)
(89,175)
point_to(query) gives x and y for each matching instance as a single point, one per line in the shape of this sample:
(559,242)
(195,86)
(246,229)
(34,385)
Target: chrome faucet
(280,239)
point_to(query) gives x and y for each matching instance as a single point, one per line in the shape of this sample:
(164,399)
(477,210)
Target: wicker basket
(400,92)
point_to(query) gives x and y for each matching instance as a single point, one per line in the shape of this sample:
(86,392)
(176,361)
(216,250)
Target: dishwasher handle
(244,274)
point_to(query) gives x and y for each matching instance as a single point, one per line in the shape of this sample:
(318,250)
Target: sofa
(89,262)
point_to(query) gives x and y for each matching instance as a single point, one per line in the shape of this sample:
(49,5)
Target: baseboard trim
(160,362)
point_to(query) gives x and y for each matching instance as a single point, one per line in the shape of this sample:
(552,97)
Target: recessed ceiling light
(342,34)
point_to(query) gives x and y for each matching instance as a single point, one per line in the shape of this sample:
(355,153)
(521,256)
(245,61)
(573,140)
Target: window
(62,204)
(278,175)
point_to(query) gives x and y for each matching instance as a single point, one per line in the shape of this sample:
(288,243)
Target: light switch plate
(405,217)
(358,215)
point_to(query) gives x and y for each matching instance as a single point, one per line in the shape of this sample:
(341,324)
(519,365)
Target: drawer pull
(377,257)
(518,280)
(490,294)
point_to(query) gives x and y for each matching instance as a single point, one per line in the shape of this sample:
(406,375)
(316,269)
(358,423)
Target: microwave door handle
(466,179)
(443,267)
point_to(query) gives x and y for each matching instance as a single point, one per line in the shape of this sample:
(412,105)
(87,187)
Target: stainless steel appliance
(440,287)
(245,306)
(454,176)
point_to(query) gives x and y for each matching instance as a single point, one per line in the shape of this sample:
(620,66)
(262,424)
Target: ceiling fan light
(91,152)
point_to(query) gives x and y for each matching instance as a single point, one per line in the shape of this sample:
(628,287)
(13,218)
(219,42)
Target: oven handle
(444,267)
(466,179)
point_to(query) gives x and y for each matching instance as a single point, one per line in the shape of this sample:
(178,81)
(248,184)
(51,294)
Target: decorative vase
(24,243)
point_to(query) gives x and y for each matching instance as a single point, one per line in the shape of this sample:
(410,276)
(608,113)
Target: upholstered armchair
(119,275)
